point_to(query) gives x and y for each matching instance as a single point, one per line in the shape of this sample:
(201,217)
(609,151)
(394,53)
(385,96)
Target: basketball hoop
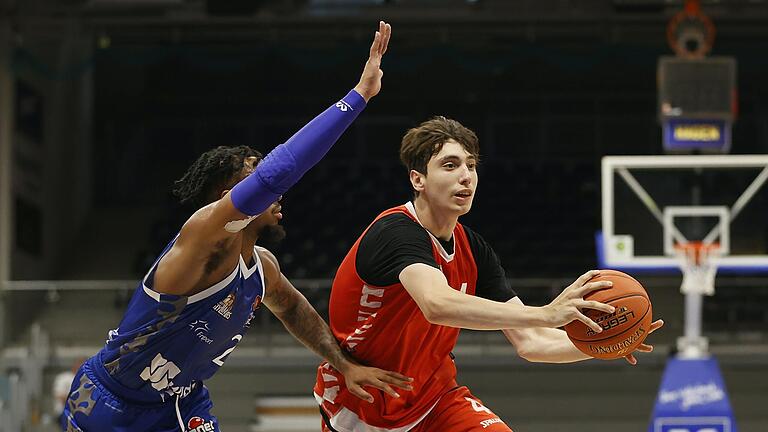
(698,268)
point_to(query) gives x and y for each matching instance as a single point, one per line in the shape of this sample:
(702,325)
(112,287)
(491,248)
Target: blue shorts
(92,408)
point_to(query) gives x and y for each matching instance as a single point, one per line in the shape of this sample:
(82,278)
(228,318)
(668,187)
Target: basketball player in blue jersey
(197,301)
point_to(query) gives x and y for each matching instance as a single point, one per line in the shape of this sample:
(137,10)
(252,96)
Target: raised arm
(214,227)
(285,165)
(288,162)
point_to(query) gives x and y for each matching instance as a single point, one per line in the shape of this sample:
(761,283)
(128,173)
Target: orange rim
(697,249)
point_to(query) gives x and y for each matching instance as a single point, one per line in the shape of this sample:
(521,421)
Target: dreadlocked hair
(210,174)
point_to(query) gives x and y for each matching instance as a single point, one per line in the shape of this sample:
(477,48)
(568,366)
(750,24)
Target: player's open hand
(645,347)
(568,305)
(370,82)
(357,377)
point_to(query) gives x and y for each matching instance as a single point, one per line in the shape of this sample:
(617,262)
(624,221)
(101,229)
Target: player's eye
(449,165)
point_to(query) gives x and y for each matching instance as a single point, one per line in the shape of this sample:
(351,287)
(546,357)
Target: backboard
(653,204)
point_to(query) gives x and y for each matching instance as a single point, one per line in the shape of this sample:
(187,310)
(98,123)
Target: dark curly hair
(213,172)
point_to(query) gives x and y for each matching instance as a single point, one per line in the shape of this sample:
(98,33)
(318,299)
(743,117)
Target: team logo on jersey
(224,307)
(160,373)
(200,329)
(256,304)
(198,424)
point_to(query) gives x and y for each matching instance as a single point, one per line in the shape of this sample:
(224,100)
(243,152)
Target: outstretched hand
(370,82)
(357,376)
(644,347)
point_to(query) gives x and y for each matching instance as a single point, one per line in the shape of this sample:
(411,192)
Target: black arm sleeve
(391,244)
(492,283)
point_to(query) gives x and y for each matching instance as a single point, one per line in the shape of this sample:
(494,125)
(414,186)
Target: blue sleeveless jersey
(166,345)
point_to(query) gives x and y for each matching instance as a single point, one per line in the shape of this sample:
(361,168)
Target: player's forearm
(444,305)
(306,325)
(548,345)
(288,162)
(455,309)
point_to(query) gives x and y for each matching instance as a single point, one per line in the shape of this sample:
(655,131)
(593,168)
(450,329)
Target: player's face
(451,179)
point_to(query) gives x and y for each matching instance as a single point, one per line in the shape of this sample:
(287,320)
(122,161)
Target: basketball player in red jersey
(414,278)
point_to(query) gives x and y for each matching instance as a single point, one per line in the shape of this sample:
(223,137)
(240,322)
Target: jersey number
(477,406)
(219,361)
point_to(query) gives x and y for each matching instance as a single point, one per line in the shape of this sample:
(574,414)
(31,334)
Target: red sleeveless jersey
(384,327)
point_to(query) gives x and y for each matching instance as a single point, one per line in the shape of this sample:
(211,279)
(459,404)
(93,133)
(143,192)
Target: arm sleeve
(492,283)
(288,162)
(391,244)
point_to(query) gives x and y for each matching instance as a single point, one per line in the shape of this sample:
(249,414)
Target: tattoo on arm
(305,324)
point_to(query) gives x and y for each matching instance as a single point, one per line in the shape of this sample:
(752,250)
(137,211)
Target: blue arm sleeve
(286,163)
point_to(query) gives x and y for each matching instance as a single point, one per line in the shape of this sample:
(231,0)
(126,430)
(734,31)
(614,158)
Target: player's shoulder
(472,234)
(476,240)
(201,216)
(395,225)
(393,220)
(268,261)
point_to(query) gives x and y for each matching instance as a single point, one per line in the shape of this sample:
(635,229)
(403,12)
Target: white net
(699,269)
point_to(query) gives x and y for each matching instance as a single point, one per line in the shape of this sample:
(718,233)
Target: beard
(270,236)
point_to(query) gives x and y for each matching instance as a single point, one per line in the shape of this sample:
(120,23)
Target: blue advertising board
(692,398)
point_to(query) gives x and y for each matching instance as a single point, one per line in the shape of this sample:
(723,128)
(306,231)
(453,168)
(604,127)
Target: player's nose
(465,176)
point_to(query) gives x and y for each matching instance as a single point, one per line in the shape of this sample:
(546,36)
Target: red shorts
(457,411)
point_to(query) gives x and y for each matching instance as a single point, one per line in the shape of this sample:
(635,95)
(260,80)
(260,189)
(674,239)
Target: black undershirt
(396,241)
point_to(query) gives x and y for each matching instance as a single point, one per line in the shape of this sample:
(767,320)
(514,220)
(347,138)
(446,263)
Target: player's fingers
(593,286)
(397,381)
(385,388)
(585,277)
(375,45)
(656,325)
(645,348)
(602,307)
(359,392)
(382,36)
(387,35)
(399,376)
(631,359)
(591,324)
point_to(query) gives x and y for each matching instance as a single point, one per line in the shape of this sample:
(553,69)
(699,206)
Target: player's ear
(224,192)
(417,180)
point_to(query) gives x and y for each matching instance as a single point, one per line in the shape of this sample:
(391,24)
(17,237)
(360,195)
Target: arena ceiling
(449,20)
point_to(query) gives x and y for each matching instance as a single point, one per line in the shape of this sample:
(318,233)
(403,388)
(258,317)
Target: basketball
(624,329)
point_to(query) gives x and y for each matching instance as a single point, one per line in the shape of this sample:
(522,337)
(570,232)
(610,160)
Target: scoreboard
(697,103)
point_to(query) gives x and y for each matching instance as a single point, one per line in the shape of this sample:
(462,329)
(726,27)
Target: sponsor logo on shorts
(198,424)
(200,329)
(224,307)
(486,423)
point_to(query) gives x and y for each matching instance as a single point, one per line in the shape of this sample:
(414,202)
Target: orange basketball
(624,329)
